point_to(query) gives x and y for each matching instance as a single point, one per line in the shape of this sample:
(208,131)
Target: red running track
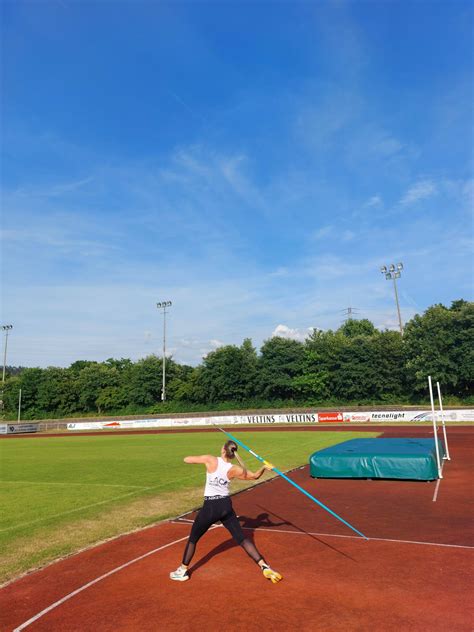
(415,572)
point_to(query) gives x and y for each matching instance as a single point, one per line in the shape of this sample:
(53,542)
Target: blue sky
(254,163)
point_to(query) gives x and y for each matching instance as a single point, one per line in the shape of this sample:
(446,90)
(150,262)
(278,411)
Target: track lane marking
(438,482)
(91,583)
(165,546)
(186,522)
(354,537)
(98,579)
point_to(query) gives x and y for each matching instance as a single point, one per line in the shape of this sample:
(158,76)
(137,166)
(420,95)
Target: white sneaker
(180,574)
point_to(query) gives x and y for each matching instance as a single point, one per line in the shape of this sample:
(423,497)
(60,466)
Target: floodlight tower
(6,329)
(394,272)
(163,305)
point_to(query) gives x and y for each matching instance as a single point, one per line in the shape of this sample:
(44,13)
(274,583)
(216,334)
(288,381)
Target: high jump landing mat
(411,459)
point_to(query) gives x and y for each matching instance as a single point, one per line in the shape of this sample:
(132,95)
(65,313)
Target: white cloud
(54,190)
(419,191)
(178,229)
(280,272)
(385,145)
(323,232)
(374,201)
(215,344)
(318,126)
(348,235)
(283,331)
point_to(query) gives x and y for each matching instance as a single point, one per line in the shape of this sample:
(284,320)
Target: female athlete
(218,507)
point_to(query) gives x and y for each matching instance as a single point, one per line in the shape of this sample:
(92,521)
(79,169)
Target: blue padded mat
(413,459)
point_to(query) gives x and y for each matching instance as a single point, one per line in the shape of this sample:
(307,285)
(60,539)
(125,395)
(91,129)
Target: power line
(350,313)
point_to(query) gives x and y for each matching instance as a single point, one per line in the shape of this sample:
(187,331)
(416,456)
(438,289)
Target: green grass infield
(60,495)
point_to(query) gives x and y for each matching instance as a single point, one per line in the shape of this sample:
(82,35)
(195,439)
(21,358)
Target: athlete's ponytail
(230,448)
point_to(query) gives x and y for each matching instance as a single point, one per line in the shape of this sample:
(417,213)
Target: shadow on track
(262,520)
(301,530)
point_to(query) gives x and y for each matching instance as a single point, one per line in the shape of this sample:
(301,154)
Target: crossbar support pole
(284,476)
(443,421)
(433,414)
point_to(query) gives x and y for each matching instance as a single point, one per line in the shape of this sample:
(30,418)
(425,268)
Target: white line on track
(336,535)
(91,583)
(165,546)
(354,537)
(438,483)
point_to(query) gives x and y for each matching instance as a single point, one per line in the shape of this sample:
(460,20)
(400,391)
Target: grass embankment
(63,494)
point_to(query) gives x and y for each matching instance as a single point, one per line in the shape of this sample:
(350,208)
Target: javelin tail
(280,473)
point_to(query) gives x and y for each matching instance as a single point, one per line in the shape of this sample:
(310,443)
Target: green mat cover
(413,459)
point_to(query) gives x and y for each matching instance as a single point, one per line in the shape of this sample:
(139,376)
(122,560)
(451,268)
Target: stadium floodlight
(163,305)
(6,329)
(394,273)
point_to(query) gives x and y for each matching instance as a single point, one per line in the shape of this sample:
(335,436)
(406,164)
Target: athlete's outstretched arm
(205,459)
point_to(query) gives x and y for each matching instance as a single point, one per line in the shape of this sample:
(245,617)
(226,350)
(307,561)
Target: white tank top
(217,483)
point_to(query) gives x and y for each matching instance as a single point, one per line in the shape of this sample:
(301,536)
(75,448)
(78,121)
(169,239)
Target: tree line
(356,363)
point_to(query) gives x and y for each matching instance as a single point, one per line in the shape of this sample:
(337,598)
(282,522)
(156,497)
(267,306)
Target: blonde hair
(230,448)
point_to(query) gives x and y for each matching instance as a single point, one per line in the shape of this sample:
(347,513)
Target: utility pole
(394,272)
(163,305)
(6,329)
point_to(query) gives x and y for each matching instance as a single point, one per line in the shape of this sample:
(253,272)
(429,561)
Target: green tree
(180,387)
(58,392)
(111,398)
(352,328)
(30,382)
(91,381)
(229,373)
(280,362)
(11,392)
(440,343)
(390,358)
(144,381)
(319,361)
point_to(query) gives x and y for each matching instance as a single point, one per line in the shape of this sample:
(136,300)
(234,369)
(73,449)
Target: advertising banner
(409,415)
(269,419)
(361,417)
(331,417)
(290,418)
(18,428)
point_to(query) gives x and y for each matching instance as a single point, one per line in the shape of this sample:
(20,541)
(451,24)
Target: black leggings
(215,510)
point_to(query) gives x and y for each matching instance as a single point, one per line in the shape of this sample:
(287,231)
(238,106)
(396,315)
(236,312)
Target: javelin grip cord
(280,473)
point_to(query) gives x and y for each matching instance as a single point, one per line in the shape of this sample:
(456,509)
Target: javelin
(280,473)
